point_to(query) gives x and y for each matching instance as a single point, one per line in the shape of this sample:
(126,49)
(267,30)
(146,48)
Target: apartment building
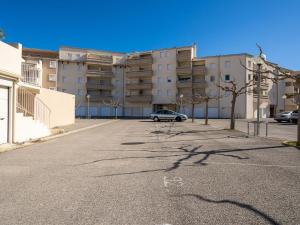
(141,82)
(291,92)
(94,77)
(46,62)
(224,68)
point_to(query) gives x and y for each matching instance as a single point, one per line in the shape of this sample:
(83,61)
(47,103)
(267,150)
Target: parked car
(168,115)
(294,116)
(283,116)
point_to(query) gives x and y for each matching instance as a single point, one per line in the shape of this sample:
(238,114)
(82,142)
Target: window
(70,56)
(169,79)
(226,94)
(158,80)
(158,92)
(227,64)
(161,54)
(80,92)
(166,53)
(249,77)
(212,78)
(64,79)
(249,64)
(212,65)
(79,66)
(159,67)
(78,56)
(169,92)
(169,67)
(80,80)
(52,64)
(52,77)
(227,77)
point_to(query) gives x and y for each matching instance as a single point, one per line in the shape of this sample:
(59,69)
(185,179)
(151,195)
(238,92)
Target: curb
(44,139)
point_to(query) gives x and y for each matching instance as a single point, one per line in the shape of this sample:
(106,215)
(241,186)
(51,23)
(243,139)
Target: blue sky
(217,27)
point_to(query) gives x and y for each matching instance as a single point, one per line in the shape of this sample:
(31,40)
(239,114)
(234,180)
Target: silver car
(283,116)
(294,116)
(168,115)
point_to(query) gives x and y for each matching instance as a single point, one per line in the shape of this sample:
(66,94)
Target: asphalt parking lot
(140,172)
(280,131)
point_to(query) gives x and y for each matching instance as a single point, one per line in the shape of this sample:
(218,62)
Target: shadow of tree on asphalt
(186,155)
(247,207)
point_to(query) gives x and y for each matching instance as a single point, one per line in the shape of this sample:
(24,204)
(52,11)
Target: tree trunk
(232,119)
(193,112)
(206,112)
(116,113)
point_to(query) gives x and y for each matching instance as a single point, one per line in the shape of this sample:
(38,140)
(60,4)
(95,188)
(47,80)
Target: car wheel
(156,119)
(178,119)
(279,121)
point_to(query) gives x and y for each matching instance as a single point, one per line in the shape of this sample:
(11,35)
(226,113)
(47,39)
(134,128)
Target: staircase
(32,117)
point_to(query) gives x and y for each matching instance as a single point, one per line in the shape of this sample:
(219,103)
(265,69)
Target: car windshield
(296,111)
(286,112)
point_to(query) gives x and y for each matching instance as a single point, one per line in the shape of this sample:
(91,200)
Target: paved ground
(134,172)
(281,131)
(82,123)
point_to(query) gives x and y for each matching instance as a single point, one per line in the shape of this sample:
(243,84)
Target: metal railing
(30,105)
(30,74)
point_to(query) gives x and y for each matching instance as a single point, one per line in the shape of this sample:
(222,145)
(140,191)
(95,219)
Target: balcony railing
(184,55)
(139,60)
(31,74)
(199,70)
(98,86)
(199,84)
(184,70)
(137,86)
(101,59)
(99,73)
(141,73)
(99,98)
(263,98)
(184,84)
(139,98)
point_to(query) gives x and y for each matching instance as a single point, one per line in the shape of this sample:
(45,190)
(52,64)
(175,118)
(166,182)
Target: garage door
(3,115)
(212,112)
(199,112)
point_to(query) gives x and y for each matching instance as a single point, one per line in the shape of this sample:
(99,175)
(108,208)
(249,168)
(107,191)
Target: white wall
(10,59)
(62,106)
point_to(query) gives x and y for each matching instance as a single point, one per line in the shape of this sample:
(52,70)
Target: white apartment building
(143,82)
(223,68)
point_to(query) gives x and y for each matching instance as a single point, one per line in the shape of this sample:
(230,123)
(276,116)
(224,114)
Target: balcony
(99,73)
(31,75)
(199,84)
(184,55)
(184,70)
(140,60)
(263,98)
(100,98)
(184,84)
(98,86)
(139,98)
(199,70)
(138,86)
(263,85)
(99,59)
(140,73)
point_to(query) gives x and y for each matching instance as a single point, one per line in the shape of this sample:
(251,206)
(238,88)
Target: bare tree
(193,99)
(206,99)
(114,103)
(236,91)
(280,73)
